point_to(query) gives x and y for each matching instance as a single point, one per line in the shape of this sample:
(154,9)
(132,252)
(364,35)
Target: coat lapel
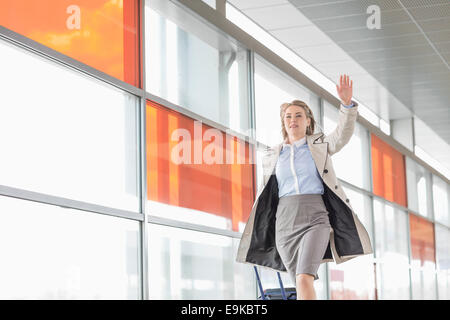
(318,151)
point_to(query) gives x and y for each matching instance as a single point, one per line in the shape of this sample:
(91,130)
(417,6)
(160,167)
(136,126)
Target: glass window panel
(192,65)
(443,279)
(422,241)
(423,273)
(391,251)
(193,179)
(443,261)
(356,151)
(101,33)
(73,137)
(431,147)
(355,279)
(388,172)
(272,89)
(419,188)
(185,264)
(53,253)
(362,206)
(441,201)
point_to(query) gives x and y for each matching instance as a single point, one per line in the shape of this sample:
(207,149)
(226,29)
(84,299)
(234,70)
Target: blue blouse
(296,171)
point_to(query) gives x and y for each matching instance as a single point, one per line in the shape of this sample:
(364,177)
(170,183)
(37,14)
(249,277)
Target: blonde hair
(308,113)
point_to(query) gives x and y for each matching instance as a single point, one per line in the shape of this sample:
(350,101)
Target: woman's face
(295,121)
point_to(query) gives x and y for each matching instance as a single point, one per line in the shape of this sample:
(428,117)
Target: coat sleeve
(344,130)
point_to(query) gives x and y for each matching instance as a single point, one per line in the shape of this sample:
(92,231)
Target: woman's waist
(301,198)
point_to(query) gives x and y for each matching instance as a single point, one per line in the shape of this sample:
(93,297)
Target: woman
(301,214)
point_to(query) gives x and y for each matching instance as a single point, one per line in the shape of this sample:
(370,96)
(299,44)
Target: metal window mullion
(327,281)
(67,203)
(153,219)
(252,117)
(375,255)
(321,113)
(327,267)
(409,254)
(143,187)
(251,93)
(143,249)
(434,234)
(372,215)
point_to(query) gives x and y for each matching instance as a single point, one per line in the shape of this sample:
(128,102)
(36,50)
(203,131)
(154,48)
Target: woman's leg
(305,287)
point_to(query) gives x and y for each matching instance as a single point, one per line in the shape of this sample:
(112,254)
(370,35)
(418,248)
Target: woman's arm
(347,117)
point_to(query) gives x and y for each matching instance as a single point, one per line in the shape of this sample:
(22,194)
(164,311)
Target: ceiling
(399,70)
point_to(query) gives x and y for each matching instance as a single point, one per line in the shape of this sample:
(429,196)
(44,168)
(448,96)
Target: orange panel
(388,172)
(225,189)
(101,33)
(422,239)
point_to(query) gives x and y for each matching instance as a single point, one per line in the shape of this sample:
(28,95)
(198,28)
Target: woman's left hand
(345,90)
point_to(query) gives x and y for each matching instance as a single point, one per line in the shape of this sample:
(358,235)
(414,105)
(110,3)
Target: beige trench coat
(348,237)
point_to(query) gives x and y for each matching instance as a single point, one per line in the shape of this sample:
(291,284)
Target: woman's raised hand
(345,89)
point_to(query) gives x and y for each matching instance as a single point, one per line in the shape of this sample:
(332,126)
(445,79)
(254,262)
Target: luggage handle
(263,296)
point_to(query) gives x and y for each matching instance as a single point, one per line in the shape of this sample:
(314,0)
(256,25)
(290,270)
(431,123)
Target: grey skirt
(302,233)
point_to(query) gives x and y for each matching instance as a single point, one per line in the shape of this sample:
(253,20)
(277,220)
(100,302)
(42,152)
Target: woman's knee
(305,279)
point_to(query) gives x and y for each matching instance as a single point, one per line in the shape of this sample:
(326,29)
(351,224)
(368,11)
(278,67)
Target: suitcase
(277,293)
